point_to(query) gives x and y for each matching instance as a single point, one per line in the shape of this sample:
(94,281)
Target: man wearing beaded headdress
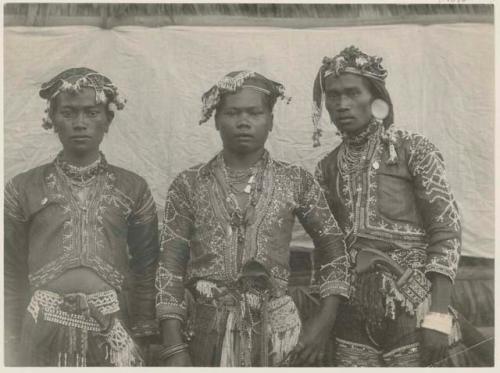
(79,235)
(388,190)
(226,237)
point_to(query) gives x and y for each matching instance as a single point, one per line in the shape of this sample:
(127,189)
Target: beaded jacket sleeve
(16,284)
(403,205)
(198,241)
(437,205)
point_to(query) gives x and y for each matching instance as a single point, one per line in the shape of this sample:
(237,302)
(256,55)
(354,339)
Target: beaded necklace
(353,154)
(240,218)
(236,178)
(80,176)
(80,179)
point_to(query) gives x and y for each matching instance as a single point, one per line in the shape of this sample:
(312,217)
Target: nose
(343,104)
(79,121)
(243,120)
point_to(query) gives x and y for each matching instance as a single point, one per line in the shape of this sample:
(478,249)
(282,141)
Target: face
(80,122)
(244,121)
(348,101)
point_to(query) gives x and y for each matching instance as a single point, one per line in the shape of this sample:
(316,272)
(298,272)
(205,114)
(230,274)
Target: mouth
(80,137)
(244,136)
(346,119)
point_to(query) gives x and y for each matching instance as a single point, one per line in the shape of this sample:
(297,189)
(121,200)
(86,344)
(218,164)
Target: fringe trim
(420,311)
(285,327)
(122,351)
(205,288)
(233,83)
(316,117)
(129,356)
(87,81)
(64,360)
(227,357)
(283,343)
(393,295)
(389,137)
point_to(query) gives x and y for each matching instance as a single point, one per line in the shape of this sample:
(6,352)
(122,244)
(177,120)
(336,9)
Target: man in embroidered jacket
(388,190)
(78,232)
(226,237)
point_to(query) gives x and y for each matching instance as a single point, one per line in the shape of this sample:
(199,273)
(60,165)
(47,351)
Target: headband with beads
(73,80)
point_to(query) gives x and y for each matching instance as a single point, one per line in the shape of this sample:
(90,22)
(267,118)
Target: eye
(354,92)
(92,113)
(66,114)
(230,113)
(255,112)
(331,94)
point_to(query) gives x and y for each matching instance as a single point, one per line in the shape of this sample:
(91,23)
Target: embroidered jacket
(404,207)
(197,241)
(48,232)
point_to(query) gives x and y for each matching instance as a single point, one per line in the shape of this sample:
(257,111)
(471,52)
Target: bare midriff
(78,280)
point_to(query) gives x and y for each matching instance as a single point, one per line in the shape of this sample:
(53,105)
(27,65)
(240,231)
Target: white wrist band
(440,322)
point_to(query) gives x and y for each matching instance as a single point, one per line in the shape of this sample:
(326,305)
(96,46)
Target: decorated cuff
(166,311)
(334,288)
(432,266)
(145,328)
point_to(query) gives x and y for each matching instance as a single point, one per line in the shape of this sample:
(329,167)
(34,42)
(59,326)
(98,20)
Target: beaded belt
(105,302)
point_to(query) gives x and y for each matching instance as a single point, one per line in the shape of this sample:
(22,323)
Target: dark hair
(268,101)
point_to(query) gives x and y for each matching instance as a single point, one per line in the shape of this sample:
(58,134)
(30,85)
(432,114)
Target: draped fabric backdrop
(441,79)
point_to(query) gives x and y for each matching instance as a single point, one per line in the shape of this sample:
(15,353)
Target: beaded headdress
(75,79)
(234,81)
(354,61)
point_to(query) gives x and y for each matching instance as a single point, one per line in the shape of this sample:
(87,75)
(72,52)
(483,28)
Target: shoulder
(23,188)
(294,173)
(412,141)
(31,178)
(416,148)
(287,168)
(127,178)
(191,174)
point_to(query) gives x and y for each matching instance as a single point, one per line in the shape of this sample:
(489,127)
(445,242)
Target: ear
(271,123)
(217,127)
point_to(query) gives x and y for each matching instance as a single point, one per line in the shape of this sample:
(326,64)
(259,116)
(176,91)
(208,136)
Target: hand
(433,347)
(182,359)
(313,341)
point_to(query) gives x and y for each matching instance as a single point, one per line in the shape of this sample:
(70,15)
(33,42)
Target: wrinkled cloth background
(441,79)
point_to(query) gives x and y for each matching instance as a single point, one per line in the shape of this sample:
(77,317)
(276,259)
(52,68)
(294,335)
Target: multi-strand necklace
(246,184)
(81,175)
(353,154)
(80,179)
(241,181)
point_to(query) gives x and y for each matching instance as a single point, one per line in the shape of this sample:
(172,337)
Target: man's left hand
(433,347)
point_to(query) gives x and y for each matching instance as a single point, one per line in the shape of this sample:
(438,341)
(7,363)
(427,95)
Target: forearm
(328,309)
(142,296)
(441,290)
(171,330)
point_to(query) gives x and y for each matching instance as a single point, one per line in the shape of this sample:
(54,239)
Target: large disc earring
(380,109)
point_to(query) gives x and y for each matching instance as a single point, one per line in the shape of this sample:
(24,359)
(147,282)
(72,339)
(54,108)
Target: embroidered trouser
(58,333)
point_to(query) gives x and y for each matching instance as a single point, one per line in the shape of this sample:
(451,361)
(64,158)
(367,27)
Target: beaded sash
(50,304)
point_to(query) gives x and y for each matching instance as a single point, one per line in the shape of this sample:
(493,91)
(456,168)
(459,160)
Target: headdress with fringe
(75,79)
(354,61)
(234,81)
